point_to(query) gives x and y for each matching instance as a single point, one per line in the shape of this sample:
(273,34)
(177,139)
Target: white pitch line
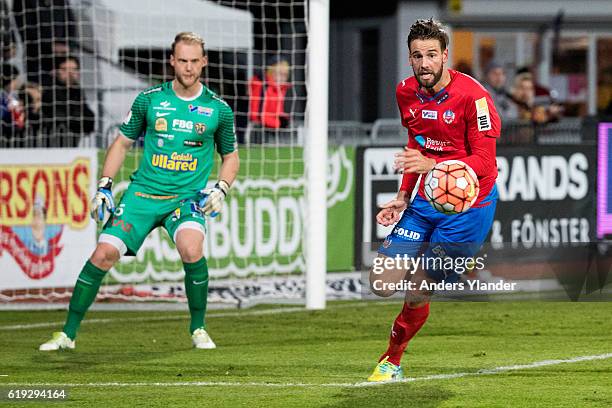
(486,371)
(502,369)
(264,312)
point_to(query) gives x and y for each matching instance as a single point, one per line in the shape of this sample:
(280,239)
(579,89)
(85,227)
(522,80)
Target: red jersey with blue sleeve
(459,122)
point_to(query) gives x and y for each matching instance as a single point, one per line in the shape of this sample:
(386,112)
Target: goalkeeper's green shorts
(139,213)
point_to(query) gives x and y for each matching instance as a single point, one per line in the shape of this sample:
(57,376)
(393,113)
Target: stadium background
(551,231)
(548,173)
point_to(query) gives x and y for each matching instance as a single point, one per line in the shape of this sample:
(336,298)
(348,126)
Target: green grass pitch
(286,357)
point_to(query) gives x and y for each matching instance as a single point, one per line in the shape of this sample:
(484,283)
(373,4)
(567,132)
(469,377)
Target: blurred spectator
(66,116)
(523,95)
(268,95)
(12,110)
(530,108)
(545,99)
(539,89)
(7,37)
(495,83)
(47,27)
(31,94)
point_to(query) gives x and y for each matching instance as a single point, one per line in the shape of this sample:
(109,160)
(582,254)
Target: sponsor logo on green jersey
(177,162)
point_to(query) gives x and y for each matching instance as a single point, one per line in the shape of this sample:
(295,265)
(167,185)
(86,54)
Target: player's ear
(445,56)
(205,60)
(172,60)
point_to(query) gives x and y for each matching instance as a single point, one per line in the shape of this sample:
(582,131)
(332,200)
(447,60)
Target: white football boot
(202,340)
(59,341)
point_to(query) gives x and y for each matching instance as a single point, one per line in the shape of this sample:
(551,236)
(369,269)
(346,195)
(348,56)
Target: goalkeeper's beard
(187,83)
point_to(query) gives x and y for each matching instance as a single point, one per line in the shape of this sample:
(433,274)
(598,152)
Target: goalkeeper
(182,121)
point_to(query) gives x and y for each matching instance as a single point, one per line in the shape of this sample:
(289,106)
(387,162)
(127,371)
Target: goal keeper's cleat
(59,341)
(202,340)
(386,371)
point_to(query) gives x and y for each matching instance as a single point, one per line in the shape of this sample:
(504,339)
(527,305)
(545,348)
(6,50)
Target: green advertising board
(261,229)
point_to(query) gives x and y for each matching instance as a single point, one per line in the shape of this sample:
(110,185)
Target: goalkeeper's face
(427,60)
(188,61)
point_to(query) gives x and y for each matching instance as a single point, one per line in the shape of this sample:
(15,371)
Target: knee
(379,286)
(190,253)
(417,298)
(104,256)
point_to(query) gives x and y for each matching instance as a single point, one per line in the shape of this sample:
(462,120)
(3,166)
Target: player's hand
(210,201)
(413,161)
(390,212)
(103,199)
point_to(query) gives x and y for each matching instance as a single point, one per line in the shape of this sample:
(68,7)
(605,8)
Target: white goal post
(316,152)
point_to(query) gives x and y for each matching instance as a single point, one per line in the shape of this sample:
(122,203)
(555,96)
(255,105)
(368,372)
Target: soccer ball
(451,187)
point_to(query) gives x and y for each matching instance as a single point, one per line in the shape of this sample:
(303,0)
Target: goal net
(74,71)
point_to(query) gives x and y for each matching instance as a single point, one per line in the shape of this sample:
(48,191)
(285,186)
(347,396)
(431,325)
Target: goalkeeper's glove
(103,199)
(210,200)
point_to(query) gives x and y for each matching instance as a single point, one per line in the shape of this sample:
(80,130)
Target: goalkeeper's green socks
(83,295)
(196,287)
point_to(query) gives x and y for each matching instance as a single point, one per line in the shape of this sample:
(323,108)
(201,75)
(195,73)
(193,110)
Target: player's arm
(483,129)
(411,163)
(211,199)
(229,167)
(130,129)
(103,199)
(390,212)
(116,155)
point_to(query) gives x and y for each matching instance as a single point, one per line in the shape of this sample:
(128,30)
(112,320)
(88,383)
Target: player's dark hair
(188,37)
(428,30)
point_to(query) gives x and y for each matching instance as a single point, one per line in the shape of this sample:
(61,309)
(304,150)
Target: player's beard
(433,81)
(187,82)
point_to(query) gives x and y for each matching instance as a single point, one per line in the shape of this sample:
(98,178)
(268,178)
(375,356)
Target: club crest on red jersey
(448,117)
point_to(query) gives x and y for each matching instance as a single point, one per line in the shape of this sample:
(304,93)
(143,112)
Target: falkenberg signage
(261,228)
(546,200)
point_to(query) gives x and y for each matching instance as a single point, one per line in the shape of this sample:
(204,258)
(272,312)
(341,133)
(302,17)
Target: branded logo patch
(200,128)
(429,114)
(448,117)
(161,125)
(165,105)
(406,233)
(180,162)
(201,110)
(413,112)
(387,243)
(193,143)
(482,114)
(161,114)
(182,125)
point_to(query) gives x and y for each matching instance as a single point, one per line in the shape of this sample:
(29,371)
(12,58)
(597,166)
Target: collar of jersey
(188,99)
(425,98)
(440,96)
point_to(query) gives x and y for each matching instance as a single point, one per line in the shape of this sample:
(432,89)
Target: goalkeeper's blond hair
(188,37)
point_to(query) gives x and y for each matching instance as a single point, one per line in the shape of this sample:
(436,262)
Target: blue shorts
(424,232)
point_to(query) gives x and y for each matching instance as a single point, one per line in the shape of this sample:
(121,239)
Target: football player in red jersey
(449,115)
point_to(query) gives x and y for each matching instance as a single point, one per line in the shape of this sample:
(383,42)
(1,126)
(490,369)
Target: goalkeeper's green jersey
(180,136)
